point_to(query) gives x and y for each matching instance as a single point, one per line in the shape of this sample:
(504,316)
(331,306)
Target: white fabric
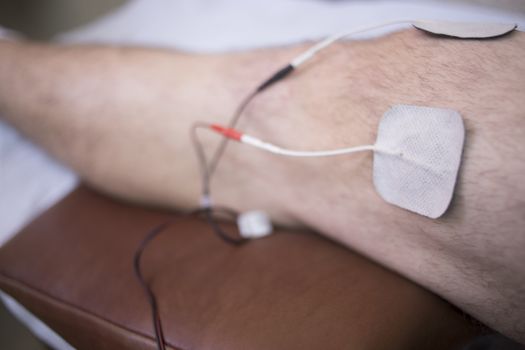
(39,328)
(35,182)
(30,181)
(425,145)
(220,25)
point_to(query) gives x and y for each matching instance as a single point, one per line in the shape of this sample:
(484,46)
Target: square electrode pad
(417,158)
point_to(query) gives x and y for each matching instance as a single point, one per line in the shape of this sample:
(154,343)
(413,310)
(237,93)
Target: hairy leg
(121,117)
(474,256)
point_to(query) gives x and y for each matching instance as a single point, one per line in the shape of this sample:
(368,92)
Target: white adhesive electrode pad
(465,30)
(419,167)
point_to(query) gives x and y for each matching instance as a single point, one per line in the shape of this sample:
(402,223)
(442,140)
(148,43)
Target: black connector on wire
(279,75)
(274,78)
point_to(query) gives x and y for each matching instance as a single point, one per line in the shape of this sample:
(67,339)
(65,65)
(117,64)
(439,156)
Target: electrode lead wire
(208,169)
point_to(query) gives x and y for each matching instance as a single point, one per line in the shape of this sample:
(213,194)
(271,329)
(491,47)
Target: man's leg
(121,117)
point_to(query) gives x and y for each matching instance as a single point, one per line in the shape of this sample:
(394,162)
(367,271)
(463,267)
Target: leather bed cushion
(72,268)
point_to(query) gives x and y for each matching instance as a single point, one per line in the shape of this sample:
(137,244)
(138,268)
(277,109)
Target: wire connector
(205,201)
(254,224)
(230,133)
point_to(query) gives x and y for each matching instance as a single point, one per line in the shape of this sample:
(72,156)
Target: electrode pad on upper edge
(465,30)
(417,158)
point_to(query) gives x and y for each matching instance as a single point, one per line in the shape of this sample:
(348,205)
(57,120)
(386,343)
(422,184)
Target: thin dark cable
(157,230)
(220,232)
(207,171)
(159,335)
(274,78)
(201,157)
(224,141)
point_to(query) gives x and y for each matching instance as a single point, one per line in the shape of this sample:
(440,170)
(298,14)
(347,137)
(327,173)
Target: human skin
(121,117)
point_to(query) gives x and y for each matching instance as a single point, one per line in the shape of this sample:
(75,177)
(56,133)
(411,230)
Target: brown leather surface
(72,267)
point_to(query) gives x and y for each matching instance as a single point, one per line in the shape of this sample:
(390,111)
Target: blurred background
(41,20)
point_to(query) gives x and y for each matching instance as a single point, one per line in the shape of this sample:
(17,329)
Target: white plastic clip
(205,201)
(254,224)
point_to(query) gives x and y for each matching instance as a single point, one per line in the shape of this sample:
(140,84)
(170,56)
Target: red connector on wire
(228,132)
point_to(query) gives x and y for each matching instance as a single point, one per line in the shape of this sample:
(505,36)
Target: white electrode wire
(252,141)
(311,52)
